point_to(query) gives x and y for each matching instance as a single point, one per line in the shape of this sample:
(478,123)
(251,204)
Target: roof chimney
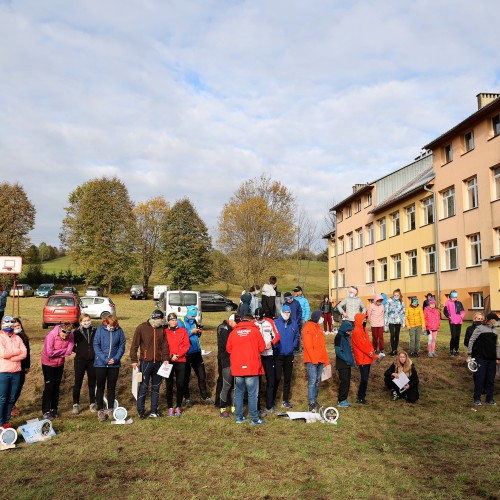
(484,98)
(357,187)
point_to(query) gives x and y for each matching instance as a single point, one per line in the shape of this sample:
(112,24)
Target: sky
(190,98)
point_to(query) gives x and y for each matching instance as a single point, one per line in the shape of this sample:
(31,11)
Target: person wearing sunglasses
(58,345)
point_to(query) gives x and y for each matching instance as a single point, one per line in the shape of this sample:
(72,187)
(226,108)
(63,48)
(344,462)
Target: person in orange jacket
(364,354)
(315,357)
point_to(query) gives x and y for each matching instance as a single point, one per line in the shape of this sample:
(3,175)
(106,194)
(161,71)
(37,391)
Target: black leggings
(103,376)
(283,365)
(178,371)
(52,377)
(195,360)
(83,366)
(394,329)
(455,331)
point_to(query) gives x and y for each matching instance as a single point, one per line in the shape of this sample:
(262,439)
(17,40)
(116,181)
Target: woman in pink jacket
(375,314)
(12,352)
(58,345)
(455,312)
(432,318)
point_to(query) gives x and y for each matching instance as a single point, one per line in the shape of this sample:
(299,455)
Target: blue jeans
(250,384)
(313,380)
(149,371)
(9,383)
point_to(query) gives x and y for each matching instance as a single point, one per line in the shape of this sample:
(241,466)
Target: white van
(178,301)
(158,290)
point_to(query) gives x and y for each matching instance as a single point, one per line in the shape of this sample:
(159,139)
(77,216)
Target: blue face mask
(8,329)
(191,320)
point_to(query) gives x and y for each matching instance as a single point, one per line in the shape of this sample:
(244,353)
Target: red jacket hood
(358,320)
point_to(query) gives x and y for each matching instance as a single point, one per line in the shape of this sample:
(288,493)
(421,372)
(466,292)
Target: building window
(359,238)
(497,237)
(381,229)
(475,249)
(496,183)
(370,271)
(341,278)
(340,215)
(395,223)
(448,197)
(335,284)
(450,255)
(472,194)
(396,266)
(430,259)
(468,141)
(350,242)
(412,262)
(410,218)
(495,122)
(368,199)
(477,300)
(358,205)
(341,245)
(428,210)
(349,210)
(447,153)
(382,269)
(370,237)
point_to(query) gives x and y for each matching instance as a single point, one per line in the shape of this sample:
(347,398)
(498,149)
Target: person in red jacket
(315,357)
(245,343)
(364,354)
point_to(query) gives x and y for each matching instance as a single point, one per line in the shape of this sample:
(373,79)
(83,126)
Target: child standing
(344,361)
(455,312)
(327,310)
(432,320)
(395,318)
(376,312)
(416,322)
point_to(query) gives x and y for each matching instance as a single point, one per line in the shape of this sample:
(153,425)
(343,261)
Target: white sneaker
(76,409)
(93,408)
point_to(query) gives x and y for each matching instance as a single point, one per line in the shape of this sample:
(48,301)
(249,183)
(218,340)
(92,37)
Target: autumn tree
(17,219)
(186,246)
(99,230)
(150,219)
(256,227)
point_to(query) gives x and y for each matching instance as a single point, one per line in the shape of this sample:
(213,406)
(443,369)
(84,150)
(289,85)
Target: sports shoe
(451,353)
(257,422)
(266,411)
(434,355)
(76,409)
(54,413)
(208,401)
(48,416)
(93,408)
(188,403)
(344,404)
(224,413)
(395,396)
(142,415)
(477,402)
(312,407)
(430,355)
(101,415)
(154,414)
(170,412)
(14,412)
(361,401)
(286,404)
(241,420)
(109,413)
(177,412)
(456,353)
(417,355)
(6,425)
(491,402)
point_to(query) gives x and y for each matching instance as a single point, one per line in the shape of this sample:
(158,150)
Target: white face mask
(86,324)
(156,323)
(321,320)
(351,295)
(18,330)
(285,316)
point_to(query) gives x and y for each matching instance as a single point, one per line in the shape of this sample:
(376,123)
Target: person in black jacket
(25,363)
(410,390)
(84,362)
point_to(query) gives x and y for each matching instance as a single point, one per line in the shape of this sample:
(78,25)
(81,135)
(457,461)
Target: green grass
(439,448)
(60,264)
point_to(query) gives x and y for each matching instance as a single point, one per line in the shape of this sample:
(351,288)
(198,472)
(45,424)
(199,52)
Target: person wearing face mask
(294,305)
(351,305)
(288,330)
(327,310)
(12,352)
(484,348)
(84,362)
(109,347)
(416,323)
(432,321)
(25,363)
(364,354)
(150,340)
(58,345)
(375,314)
(255,301)
(455,312)
(395,318)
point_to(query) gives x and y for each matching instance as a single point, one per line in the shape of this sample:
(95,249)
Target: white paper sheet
(165,370)
(401,381)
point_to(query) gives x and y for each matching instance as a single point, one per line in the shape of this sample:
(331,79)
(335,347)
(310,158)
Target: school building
(431,226)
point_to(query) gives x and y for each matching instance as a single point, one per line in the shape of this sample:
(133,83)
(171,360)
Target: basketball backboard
(11,265)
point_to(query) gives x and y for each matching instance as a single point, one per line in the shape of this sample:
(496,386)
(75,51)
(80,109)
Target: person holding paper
(150,339)
(403,367)
(178,345)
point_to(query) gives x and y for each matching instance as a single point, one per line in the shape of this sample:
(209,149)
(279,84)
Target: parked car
(22,290)
(178,301)
(97,307)
(214,301)
(158,290)
(138,292)
(93,291)
(45,290)
(70,289)
(61,307)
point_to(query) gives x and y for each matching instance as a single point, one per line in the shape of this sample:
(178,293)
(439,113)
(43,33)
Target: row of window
(357,207)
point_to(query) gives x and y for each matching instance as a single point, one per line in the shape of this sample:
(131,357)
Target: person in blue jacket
(283,352)
(295,309)
(194,359)
(305,308)
(109,347)
(344,362)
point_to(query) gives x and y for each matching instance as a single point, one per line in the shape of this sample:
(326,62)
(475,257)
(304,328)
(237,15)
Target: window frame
(358,205)
(429,258)
(359,238)
(447,153)
(350,241)
(370,233)
(445,202)
(496,183)
(396,266)
(411,216)
(412,262)
(447,249)
(480,297)
(472,191)
(468,139)
(475,256)
(428,208)
(370,271)
(395,224)
(495,125)
(369,199)
(382,263)
(382,223)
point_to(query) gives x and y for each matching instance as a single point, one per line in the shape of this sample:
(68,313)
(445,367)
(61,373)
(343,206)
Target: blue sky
(184,98)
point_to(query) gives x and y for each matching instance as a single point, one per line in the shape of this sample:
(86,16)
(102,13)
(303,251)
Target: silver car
(97,307)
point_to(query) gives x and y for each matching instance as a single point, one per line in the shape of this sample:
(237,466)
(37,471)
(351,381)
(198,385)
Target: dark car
(214,301)
(138,292)
(70,289)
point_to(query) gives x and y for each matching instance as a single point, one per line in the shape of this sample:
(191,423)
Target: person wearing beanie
(149,339)
(194,359)
(416,323)
(288,330)
(315,357)
(455,312)
(432,318)
(351,305)
(344,361)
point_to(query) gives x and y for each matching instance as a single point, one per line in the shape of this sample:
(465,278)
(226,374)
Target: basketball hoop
(11,265)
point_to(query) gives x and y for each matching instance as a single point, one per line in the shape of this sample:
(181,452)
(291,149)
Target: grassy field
(442,447)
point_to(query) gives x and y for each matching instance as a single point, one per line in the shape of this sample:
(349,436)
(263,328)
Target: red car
(61,307)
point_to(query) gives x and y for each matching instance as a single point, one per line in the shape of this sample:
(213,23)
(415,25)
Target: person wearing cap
(344,361)
(225,382)
(295,309)
(194,358)
(57,346)
(375,314)
(455,312)
(395,318)
(178,345)
(416,323)
(484,348)
(244,345)
(432,318)
(3,301)
(12,352)
(351,305)
(288,330)
(269,298)
(315,357)
(150,340)
(271,338)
